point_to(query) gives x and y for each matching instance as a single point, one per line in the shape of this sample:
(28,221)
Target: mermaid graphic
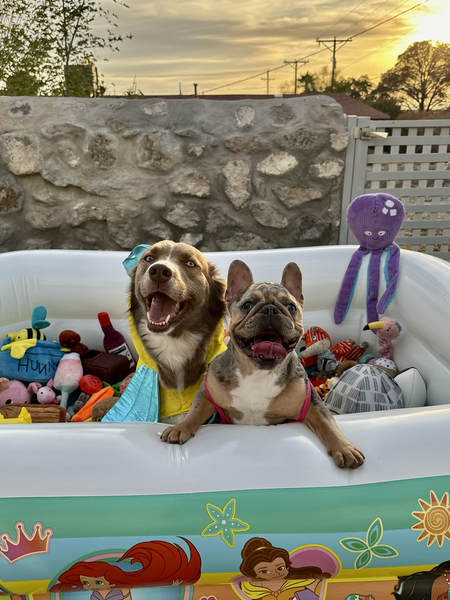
(163,564)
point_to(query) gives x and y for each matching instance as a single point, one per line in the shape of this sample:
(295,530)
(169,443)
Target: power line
(295,62)
(376,50)
(383,45)
(319,51)
(344,17)
(267,79)
(391,19)
(334,24)
(371,12)
(334,42)
(246,79)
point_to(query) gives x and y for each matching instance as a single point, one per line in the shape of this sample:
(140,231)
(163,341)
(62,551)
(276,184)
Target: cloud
(218,43)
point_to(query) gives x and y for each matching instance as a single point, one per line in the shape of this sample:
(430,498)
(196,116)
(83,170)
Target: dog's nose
(160,273)
(270,309)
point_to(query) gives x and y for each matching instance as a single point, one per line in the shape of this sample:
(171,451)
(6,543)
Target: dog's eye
(191,263)
(291,308)
(247,305)
(148,258)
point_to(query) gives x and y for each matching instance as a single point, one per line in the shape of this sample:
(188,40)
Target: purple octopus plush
(374,220)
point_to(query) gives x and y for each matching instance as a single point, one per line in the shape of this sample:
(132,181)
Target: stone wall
(113,173)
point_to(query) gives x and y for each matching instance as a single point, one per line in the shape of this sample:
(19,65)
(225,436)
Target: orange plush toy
(318,342)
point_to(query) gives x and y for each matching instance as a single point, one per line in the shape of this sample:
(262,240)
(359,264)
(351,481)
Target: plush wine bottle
(114,341)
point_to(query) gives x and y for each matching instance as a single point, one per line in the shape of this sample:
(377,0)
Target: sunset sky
(214,43)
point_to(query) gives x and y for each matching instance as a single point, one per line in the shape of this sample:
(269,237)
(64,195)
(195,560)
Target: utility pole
(295,62)
(334,41)
(267,78)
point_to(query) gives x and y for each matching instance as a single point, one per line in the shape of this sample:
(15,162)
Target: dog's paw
(347,456)
(176,435)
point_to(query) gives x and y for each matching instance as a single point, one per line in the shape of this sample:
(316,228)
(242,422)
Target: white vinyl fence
(412,163)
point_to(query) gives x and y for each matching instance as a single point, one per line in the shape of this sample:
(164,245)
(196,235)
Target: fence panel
(413,164)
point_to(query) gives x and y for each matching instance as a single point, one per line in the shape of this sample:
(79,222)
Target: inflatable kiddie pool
(136,512)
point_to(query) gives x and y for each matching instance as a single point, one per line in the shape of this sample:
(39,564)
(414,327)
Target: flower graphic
(434,520)
(224,522)
(369,548)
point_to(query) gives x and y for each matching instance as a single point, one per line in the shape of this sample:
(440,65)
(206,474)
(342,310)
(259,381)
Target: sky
(215,43)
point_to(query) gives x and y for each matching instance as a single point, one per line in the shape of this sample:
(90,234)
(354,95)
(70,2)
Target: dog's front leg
(321,422)
(201,410)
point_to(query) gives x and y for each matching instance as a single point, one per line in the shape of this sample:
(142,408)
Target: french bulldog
(259,379)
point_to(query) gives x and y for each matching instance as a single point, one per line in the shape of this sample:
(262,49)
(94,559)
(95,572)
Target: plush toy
(374,220)
(364,388)
(15,392)
(317,355)
(20,341)
(23,417)
(68,375)
(324,388)
(77,406)
(105,405)
(315,340)
(45,394)
(387,329)
(71,340)
(28,355)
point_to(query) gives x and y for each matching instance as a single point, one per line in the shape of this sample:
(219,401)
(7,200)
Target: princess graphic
(163,564)
(272,575)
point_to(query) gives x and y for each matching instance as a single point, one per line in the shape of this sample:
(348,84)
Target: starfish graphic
(224,522)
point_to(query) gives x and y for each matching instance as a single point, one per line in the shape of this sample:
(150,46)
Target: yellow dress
(286,592)
(172,402)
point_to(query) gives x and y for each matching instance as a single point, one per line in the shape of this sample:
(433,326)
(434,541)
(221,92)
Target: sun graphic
(434,519)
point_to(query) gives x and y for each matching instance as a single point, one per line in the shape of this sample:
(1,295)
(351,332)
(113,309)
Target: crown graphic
(25,545)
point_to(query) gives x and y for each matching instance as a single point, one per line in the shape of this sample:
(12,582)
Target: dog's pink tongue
(161,308)
(269,351)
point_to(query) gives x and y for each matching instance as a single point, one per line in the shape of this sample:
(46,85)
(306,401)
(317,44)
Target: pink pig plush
(15,392)
(45,394)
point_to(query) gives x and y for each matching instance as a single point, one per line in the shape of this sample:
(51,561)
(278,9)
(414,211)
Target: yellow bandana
(172,402)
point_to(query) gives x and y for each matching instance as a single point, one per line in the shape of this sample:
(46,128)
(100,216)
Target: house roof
(353,106)
(350,106)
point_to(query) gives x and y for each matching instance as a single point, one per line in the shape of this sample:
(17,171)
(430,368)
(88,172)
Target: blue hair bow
(133,258)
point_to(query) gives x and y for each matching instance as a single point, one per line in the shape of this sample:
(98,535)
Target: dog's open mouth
(162,311)
(267,347)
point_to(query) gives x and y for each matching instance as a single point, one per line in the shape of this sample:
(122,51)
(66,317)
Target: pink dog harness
(226,421)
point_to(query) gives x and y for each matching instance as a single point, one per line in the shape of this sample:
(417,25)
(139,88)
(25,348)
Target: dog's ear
(292,281)
(239,279)
(218,284)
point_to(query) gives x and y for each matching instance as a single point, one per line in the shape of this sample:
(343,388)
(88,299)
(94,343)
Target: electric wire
(391,19)
(334,25)
(319,51)
(384,45)
(371,12)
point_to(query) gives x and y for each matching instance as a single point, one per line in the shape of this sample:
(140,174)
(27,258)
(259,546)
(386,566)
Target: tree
(24,48)
(319,83)
(420,78)
(49,46)
(74,43)
(386,103)
(308,81)
(356,88)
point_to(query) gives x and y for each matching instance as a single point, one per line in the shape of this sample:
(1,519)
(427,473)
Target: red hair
(162,564)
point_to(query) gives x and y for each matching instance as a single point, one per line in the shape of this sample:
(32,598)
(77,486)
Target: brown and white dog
(177,302)
(259,380)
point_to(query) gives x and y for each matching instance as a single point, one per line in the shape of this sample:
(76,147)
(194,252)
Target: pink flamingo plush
(387,330)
